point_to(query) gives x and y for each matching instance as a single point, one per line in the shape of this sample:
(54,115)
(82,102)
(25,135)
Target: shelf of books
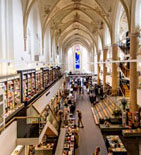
(58,71)
(39,81)
(45,72)
(28,84)
(2,103)
(12,94)
(54,73)
(51,75)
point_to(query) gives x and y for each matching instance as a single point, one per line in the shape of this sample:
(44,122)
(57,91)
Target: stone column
(104,67)
(98,68)
(133,72)
(114,70)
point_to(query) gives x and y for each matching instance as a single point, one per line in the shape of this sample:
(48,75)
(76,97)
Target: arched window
(121,23)
(77,57)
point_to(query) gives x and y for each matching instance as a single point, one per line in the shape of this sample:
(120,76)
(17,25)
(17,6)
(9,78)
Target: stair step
(95,116)
(101,110)
(108,107)
(99,113)
(104,110)
(112,103)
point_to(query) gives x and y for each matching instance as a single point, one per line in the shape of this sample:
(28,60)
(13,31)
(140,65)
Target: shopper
(66,114)
(97,151)
(72,108)
(76,137)
(80,119)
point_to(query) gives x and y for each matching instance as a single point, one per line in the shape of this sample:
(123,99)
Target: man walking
(80,119)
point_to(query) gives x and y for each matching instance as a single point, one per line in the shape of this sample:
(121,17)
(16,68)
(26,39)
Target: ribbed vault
(90,15)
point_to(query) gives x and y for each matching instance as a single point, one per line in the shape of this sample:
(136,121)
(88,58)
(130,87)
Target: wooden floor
(90,135)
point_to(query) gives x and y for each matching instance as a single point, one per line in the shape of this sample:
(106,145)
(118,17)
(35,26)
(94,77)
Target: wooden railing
(125,89)
(124,69)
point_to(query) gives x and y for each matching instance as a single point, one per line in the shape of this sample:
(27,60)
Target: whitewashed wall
(8,139)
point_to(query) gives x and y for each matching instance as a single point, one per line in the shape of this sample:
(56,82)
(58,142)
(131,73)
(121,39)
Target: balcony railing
(125,89)
(124,69)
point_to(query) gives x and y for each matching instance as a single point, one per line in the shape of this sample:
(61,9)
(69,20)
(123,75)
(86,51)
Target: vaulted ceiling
(80,20)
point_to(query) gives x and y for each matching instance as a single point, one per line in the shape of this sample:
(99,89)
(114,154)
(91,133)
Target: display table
(69,148)
(47,147)
(112,128)
(66,139)
(115,144)
(132,133)
(18,150)
(60,145)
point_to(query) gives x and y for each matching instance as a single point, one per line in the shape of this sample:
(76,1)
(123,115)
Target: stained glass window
(77,57)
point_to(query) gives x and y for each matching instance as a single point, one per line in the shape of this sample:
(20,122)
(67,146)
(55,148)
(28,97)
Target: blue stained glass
(77,59)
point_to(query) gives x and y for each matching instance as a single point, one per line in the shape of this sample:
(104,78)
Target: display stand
(58,71)
(12,94)
(61,141)
(39,81)
(2,103)
(28,85)
(114,143)
(69,147)
(132,132)
(51,75)
(18,150)
(46,79)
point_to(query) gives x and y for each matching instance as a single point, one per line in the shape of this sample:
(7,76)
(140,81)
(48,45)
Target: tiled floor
(90,135)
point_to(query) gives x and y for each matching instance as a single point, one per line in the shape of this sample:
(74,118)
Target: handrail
(23,117)
(125,70)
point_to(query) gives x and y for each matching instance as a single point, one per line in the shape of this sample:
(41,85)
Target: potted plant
(124,103)
(117,112)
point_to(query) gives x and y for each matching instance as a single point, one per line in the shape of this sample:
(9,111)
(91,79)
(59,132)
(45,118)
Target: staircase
(125,89)
(103,110)
(124,70)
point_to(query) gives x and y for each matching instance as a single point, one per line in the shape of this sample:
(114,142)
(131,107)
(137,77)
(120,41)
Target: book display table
(115,144)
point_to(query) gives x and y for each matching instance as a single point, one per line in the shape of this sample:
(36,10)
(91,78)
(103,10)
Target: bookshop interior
(70,77)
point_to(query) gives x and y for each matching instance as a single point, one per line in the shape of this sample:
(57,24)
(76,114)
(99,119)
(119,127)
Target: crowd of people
(76,88)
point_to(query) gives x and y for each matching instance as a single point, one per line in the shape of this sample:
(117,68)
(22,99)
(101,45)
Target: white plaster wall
(8,139)
(54,51)
(47,46)
(138,15)
(107,37)
(18,36)
(2,33)
(34,33)
(70,60)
